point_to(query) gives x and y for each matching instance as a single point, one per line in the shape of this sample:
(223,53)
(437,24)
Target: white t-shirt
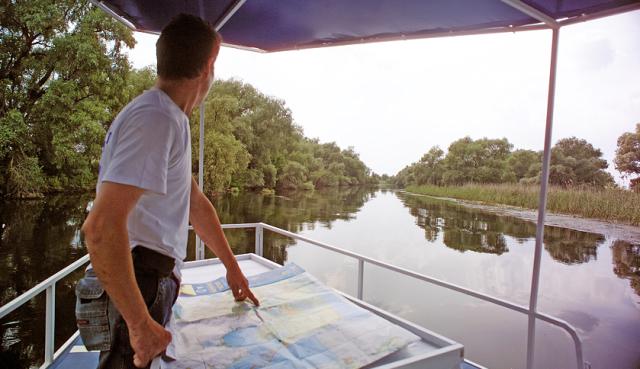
(149,146)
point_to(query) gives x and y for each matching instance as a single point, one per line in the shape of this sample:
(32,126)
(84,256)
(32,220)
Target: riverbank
(619,231)
(611,205)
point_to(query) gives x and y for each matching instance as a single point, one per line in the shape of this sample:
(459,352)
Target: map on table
(300,324)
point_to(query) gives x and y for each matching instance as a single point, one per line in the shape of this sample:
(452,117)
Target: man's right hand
(148,340)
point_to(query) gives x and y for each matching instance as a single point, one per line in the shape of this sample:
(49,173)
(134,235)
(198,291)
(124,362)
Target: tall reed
(606,204)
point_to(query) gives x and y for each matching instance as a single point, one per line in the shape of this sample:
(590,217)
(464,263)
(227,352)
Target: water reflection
(291,211)
(571,247)
(466,229)
(626,262)
(37,238)
(463,229)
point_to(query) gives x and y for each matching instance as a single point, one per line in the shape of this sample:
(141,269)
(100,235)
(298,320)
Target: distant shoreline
(620,231)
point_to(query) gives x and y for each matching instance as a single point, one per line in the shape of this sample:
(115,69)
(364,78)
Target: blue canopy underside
(276,25)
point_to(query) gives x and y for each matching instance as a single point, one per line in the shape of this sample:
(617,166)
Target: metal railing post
(50,324)
(259,245)
(360,278)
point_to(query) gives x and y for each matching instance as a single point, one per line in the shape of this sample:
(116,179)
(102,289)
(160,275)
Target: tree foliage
(479,161)
(525,165)
(627,159)
(63,78)
(251,141)
(573,162)
(576,162)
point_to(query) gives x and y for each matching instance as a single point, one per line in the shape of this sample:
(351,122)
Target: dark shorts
(101,325)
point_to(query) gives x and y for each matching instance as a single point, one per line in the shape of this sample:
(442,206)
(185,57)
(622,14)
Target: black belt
(146,260)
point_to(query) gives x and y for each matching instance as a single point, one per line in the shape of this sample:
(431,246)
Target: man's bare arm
(206,224)
(107,240)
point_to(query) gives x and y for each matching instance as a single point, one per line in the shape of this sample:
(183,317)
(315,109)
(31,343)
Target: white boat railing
(49,285)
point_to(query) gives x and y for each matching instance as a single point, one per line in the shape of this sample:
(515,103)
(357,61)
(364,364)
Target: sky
(393,101)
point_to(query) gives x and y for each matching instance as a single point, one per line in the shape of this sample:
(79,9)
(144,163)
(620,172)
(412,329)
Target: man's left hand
(240,286)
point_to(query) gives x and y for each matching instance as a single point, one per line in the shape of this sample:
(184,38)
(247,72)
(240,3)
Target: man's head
(186,48)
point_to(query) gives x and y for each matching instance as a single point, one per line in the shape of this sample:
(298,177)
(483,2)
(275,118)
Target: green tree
(573,162)
(479,161)
(139,80)
(404,177)
(355,169)
(62,73)
(224,155)
(524,164)
(429,169)
(293,175)
(576,162)
(265,127)
(262,146)
(627,160)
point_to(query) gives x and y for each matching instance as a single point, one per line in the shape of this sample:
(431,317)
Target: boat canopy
(279,25)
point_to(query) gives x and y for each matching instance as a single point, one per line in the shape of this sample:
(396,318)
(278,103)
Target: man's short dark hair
(184,47)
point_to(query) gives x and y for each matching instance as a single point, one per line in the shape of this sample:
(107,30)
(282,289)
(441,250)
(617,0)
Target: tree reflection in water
(291,211)
(626,262)
(571,247)
(466,229)
(38,238)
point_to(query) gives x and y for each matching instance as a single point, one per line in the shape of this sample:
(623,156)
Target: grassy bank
(610,204)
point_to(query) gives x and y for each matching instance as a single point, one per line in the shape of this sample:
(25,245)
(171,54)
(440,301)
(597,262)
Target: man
(136,231)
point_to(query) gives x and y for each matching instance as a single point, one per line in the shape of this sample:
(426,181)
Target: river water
(591,281)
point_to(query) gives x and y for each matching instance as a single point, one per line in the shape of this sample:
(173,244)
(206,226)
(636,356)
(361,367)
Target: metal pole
(230,12)
(544,181)
(50,324)
(360,278)
(201,149)
(259,242)
(218,25)
(199,245)
(532,12)
(113,14)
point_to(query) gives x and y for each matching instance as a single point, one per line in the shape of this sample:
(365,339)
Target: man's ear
(210,62)
(206,70)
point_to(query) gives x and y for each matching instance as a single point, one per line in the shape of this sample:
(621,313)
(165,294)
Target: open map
(300,324)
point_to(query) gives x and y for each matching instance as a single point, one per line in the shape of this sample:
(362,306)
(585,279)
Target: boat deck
(433,351)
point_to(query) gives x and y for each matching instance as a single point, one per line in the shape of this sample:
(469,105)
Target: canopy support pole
(544,181)
(199,244)
(532,12)
(221,22)
(228,14)
(113,14)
